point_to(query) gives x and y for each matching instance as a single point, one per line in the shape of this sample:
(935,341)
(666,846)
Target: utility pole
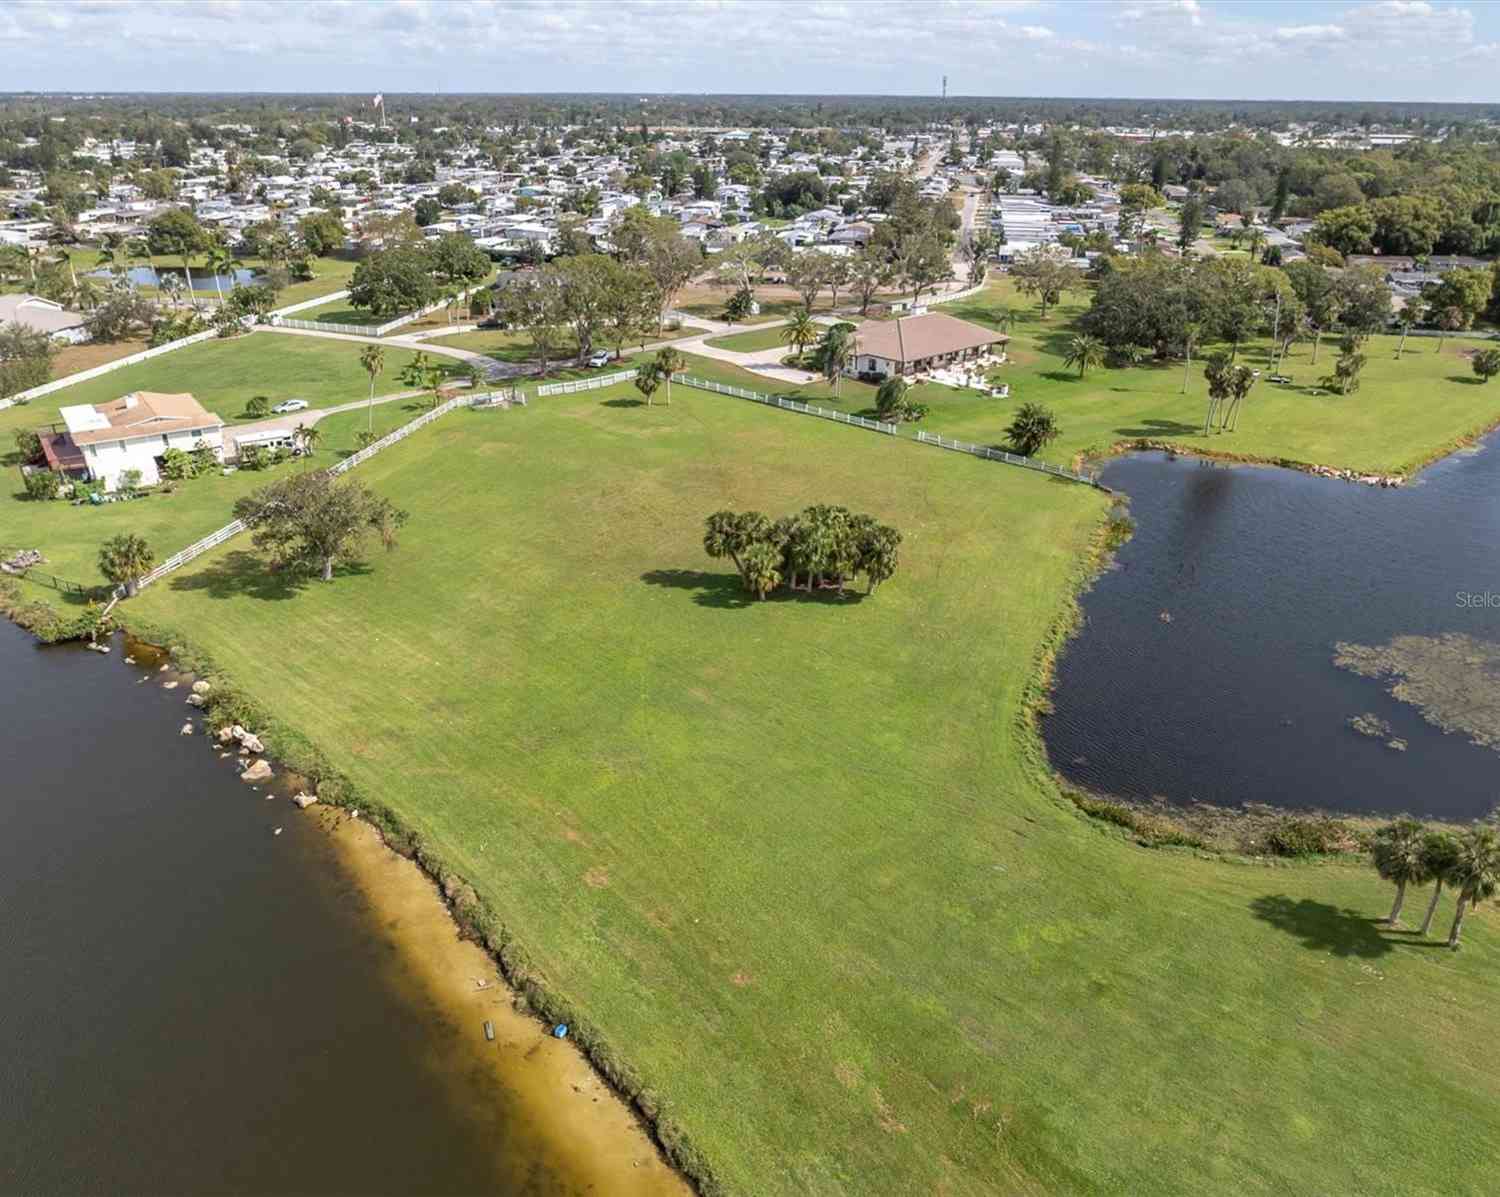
(945,87)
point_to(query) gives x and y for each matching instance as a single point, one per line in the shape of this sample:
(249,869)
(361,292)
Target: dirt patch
(77,358)
(1453,680)
(847,1074)
(741,979)
(596,878)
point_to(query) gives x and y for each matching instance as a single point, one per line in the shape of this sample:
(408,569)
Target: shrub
(29,445)
(42,484)
(1151,829)
(177,466)
(129,483)
(252,457)
(1299,835)
(257,407)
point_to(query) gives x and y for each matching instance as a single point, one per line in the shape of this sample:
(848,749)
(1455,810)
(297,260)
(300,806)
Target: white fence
(144,355)
(585,384)
(786,404)
(1029,463)
(235,527)
(316,302)
(367,330)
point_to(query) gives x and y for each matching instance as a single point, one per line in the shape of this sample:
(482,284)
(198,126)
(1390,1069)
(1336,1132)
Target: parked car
(290,405)
(601,358)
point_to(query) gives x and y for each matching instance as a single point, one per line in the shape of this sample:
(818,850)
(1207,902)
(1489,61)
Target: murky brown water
(191,1002)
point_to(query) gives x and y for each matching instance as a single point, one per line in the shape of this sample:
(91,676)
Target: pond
(148,276)
(1205,668)
(194,1001)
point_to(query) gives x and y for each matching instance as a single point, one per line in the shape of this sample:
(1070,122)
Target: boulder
(257,771)
(250,742)
(237,732)
(226,734)
(169,685)
(187,729)
(303,801)
(200,687)
(196,700)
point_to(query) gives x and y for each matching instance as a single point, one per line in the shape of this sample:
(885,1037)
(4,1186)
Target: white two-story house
(131,433)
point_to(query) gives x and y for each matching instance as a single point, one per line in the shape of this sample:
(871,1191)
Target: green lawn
(755,339)
(801,861)
(518,348)
(223,375)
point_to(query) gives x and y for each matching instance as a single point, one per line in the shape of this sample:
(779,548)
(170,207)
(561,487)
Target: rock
(196,700)
(169,685)
(226,734)
(251,743)
(162,668)
(277,831)
(187,729)
(258,771)
(238,732)
(303,801)
(130,660)
(200,687)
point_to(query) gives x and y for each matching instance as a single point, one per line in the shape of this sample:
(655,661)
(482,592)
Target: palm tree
(669,362)
(1397,856)
(1405,319)
(124,558)
(1439,855)
(800,330)
(1191,331)
(87,292)
(61,257)
(1449,320)
(1475,873)
(762,568)
(834,352)
(373,360)
(307,437)
(1004,317)
(220,260)
(1083,352)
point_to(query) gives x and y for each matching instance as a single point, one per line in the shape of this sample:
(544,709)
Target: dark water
(189,1003)
(1262,570)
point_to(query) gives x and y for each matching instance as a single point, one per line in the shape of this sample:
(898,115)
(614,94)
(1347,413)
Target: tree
(631,307)
(123,559)
(313,521)
(1486,363)
(1449,320)
(1474,874)
(1085,352)
(834,352)
(647,380)
(322,233)
(1439,856)
(392,282)
(220,262)
(534,303)
(257,407)
(1038,272)
(307,437)
(423,373)
(1033,428)
(800,330)
(669,362)
(1189,222)
(26,356)
(454,258)
(584,284)
(372,358)
(922,262)
(805,274)
(1466,291)
(1348,230)
(869,271)
(737,306)
(1396,853)
(1346,371)
(176,233)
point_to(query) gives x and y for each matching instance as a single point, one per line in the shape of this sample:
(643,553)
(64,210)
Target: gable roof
(912,338)
(34,312)
(141,413)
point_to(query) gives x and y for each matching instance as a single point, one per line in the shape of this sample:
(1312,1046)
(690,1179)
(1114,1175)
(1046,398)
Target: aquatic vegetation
(1453,680)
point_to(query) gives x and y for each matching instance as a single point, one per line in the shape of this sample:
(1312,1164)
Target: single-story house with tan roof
(43,315)
(132,432)
(917,344)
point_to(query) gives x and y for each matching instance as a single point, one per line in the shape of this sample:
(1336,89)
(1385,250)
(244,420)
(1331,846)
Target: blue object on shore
(560,1031)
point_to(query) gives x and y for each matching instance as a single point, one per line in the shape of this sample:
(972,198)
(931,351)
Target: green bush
(42,484)
(1299,835)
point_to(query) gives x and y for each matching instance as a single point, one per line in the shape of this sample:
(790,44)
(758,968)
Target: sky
(1229,49)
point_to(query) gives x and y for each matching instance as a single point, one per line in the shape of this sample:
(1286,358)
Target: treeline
(823,547)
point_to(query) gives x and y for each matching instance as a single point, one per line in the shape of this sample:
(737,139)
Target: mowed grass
(517,347)
(224,375)
(756,339)
(801,860)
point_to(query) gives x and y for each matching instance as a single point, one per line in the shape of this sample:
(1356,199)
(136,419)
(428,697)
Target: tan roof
(146,413)
(912,338)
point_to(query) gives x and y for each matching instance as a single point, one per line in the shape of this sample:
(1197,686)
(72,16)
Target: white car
(290,405)
(599,359)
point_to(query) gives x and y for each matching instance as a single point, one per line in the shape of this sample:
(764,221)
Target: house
(131,433)
(43,315)
(919,343)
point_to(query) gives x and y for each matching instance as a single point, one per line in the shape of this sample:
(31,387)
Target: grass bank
(803,863)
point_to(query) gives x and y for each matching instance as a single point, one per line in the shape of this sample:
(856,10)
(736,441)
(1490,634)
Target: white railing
(786,404)
(367,330)
(235,527)
(120,363)
(316,302)
(585,384)
(1015,459)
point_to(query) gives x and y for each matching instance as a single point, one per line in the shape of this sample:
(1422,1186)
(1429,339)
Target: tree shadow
(727,592)
(243,573)
(1324,928)
(623,403)
(1466,380)
(1063,376)
(1155,428)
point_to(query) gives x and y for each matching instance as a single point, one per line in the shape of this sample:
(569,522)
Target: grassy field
(223,375)
(801,861)
(756,339)
(518,348)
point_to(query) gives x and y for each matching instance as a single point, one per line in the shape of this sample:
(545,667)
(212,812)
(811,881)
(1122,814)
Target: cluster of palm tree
(1086,353)
(834,351)
(824,546)
(1228,385)
(1407,853)
(650,375)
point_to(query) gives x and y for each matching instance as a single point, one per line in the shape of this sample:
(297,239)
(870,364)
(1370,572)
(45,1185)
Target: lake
(1204,668)
(147,276)
(191,1002)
